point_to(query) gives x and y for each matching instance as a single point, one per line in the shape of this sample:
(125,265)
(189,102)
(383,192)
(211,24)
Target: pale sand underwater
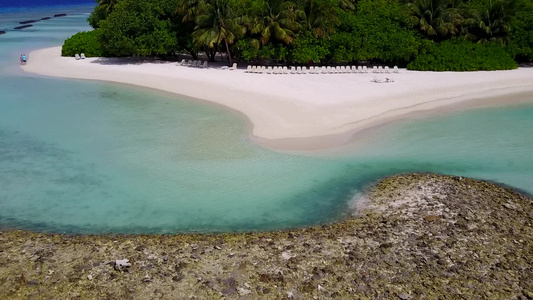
(309,111)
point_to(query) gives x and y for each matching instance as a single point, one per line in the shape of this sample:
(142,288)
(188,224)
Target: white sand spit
(307,111)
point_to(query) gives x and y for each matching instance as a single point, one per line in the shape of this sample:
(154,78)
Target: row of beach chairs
(320,70)
(79,56)
(193,63)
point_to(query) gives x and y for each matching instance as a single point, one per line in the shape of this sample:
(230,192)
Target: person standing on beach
(24,58)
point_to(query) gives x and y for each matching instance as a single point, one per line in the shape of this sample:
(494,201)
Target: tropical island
(410,236)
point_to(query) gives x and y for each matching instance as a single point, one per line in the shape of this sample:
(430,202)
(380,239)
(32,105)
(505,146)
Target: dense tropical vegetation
(421,34)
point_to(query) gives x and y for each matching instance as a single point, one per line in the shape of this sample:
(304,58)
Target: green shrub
(463,56)
(308,48)
(83,42)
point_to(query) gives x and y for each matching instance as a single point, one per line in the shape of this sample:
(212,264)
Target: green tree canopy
(379,30)
(138,27)
(521,34)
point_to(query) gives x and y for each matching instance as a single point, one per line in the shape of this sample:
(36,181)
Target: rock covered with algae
(419,236)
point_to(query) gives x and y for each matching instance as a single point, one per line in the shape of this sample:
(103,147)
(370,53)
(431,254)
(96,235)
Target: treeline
(420,34)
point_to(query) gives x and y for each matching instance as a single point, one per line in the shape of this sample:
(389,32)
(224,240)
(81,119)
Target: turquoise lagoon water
(92,157)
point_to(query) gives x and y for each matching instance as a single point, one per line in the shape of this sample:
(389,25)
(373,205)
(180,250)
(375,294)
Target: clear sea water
(93,157)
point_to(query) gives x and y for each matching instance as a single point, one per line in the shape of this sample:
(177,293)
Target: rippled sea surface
(92,157)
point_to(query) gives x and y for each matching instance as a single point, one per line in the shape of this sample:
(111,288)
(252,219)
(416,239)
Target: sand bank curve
(302,112)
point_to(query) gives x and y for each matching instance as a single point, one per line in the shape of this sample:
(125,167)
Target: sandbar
(303,111)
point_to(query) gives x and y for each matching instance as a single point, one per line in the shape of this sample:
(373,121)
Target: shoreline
(303,112)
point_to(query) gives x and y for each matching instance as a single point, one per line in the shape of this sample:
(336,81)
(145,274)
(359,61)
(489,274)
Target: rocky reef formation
(420,236)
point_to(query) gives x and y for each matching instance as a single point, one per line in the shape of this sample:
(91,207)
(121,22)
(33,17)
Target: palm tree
(188,9)
(101,12)
(218,21)
(274,18)
(318,16)
(491,23)
(107,6)
(436,18)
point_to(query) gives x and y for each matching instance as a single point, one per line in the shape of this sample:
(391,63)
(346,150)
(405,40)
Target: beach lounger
(380,69)
(359,69)
(77,56)
(262,70)
(189,63)
(183,62)
(298,70)
(82,56)
(293,70)
(304,70)
(395,70)
(269,70)
(233,67)
(386,69)
(365,70)
(204,65)
(374,69)
(284,70)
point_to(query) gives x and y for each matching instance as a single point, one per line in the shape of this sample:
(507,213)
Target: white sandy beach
(308,111)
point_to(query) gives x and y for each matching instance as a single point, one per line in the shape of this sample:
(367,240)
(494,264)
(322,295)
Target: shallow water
(90,157)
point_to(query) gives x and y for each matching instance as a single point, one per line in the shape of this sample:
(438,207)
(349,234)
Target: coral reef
(419,236)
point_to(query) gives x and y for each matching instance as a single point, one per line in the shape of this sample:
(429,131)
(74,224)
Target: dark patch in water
(59,15)
(2,32)
(28,22)
(22,27)
(46,18)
